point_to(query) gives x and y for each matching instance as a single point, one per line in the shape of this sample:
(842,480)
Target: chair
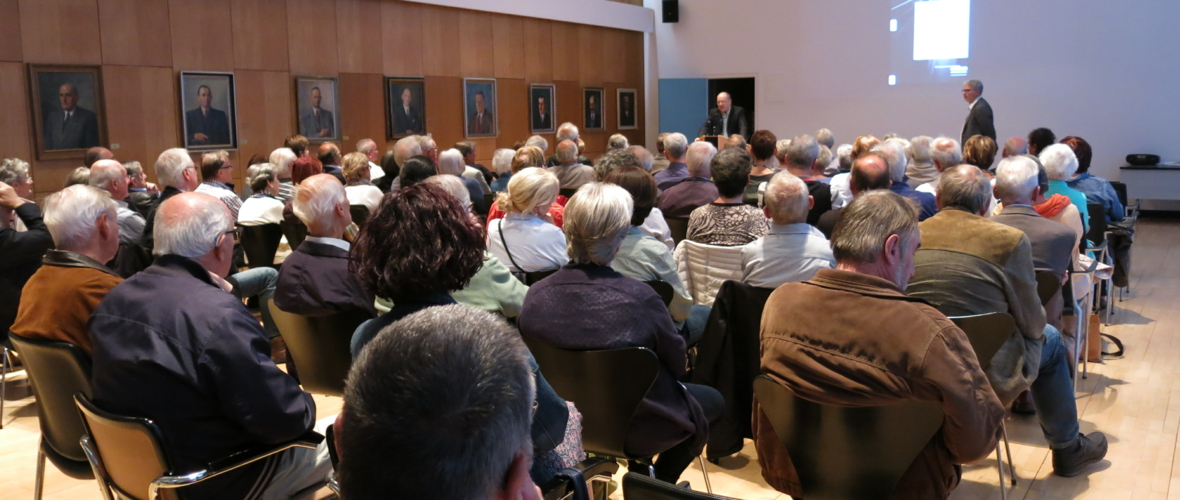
(1130,217)
(575,483)
(703,268)
(640,487)
(319,346)
(663,289)
(987,333)
(295,233)
(678,227)
(532,277)
(131,258)
(360,214)
(607,386)
(842,452)
(1096,237)
(57,371)
(129,457)
(261,243)
(1047,286)
(5,364)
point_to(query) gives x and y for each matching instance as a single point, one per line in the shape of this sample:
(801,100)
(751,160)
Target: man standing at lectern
(726,119)
(979,118)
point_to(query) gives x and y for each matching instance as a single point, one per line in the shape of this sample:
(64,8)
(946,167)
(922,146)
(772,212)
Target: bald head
(724,103)
(567,152)
(97,153)
(329,154)
(964,187)
(110,176)
(1015,146)
(787,199)
(869,172)
(194,225)
(406,148)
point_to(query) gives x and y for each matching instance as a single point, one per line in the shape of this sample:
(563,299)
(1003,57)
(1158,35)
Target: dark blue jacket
(314,281)
(172,346)
(926,206)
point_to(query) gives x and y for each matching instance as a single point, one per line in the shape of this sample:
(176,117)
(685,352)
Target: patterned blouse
(727,224)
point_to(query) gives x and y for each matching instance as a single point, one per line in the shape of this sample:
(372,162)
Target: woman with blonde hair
(526,157)
(525,239)
(357,186)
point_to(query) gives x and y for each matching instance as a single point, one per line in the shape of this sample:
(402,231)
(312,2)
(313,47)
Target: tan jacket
(59,298)
(875,345)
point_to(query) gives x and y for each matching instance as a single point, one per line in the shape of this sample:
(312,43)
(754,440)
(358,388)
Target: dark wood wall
(142,46)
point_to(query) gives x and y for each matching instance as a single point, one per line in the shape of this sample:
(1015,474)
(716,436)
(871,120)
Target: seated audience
(869,172)
(613,159)
(329,156)
(1015,146)
(874,345)
(802,159)
(111,176)
(416,169)
(570,174)
(298,144)
(792,250)
(660,162)
(894,155)
(1096,189)
(314,280)
(176,172)
(727,221)
(735,141)
(980,150)
(970,265)
(643,155)
(358,187)
(762,149)
(399,256)
(1061,163)
(502,165)
(200,368)
(1039,139)
(141,193)
(218,173)
(675,149)
(617,141)
(474,170)
(282,158)
(687,194)
(15,173)
(368,147)
(58,299)
(264,206)
(538,142)
(20,251)
(95,154)
(566,132)
(450,162)
(821,165)
(79,177)
(526,239)
(841,192)
(921,168)
(404,149)
(944,153)
(566,310)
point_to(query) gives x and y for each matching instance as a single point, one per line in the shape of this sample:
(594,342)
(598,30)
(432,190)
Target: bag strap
(1118,343)
(500,228)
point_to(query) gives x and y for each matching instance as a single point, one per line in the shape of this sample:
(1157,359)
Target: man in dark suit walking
(407,120)
(480,122)
(205,125)
(71,127)
(726,119)
(979,118)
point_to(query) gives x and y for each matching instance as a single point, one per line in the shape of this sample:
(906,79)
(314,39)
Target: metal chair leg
(3,384)
(1008,451)
(1000,467)
(705,472)
(40,474)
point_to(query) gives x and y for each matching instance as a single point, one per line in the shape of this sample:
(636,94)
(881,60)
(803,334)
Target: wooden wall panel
(538,50)
(633,50)
(401,47)
(60,31)
(591,40)
(266,114)
(312,37)
(143,115)
(508,40)
(440,42)
(135,32)
(514,114)
(476,55)
(359,35)
(195,46)
(14,127)
(614,55)
(566,53)
(444,109)
(260,35)
(10,44)
(362,113)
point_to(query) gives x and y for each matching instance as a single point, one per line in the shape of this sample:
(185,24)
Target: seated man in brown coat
(58,299)
(876,346)
(970,265)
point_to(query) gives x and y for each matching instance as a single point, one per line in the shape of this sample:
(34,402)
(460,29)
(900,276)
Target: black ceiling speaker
(671,11)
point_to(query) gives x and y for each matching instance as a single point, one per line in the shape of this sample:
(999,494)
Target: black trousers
(671,463)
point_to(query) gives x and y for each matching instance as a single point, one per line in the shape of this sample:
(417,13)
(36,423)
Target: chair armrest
(1089,270)
(237,460)
(563,483)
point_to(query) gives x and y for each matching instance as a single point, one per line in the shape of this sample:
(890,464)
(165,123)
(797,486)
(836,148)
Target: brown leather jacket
(875,345)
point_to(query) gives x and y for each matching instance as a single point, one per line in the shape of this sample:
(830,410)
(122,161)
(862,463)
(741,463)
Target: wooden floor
(1135,401)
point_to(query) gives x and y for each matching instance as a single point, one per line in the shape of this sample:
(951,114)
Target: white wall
(1105,71)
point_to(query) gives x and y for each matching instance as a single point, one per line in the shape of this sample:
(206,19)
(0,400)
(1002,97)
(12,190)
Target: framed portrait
(405,107)
(542,108)
(209,107)
(317,104)
(68,112)
(479,107)
(592,108)
(627,116)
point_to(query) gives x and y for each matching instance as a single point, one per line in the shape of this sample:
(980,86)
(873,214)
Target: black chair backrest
(1048,284)
(319,346)
(261,243)
(533,277)
(986,333)
(58,370)
(842,452)
(567,192)
(295,232)
(679,227)
(607,387)
(131,258)
(1097,233)
(360,214)
(488,199)
(663,289)
(130,449)
(1120,189)
(641,487)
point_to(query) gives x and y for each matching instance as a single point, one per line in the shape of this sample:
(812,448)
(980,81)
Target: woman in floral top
(727,221)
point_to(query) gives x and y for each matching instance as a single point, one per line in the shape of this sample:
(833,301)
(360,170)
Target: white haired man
(675,149)
(58,299)
(368,147)
(220,392)
(793,250)
(566,132)
(894,155)
(111,176)
(697,189)
(570,172)
(944,153)
(404,149)
(800,159)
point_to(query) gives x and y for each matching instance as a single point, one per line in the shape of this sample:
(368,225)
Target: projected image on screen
(930,40)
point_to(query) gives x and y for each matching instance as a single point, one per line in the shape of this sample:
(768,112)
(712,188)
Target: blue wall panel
(683,105)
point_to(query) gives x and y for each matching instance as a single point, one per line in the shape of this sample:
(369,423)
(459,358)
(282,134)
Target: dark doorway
(741,90)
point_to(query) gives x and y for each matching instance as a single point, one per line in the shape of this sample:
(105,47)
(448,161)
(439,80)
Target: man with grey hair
(111,176)
(566,132)
(15,173)
(617,141)
(695,190)
(825,138)
(979,112)
(661,161)
(314,280)
(368,147)
(643,155)
(793,250)
(920,169)
(800,158)
(851,336)
(970,265)
(20,251)
(780,150)
(176,172)
(220,392)
(944,153)
(141,194)
(571,174)
(675,148)
(615,158)
(404,149)
(894,155)
(282,159)
(59,298)
(1015,146)
(539,142)
(469,362)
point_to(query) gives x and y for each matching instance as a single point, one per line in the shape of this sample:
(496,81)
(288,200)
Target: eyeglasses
(237,234)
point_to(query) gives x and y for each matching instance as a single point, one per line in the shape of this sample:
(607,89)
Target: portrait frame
(394,87)
(633,99)
(587,122)
(223,101)
(490,127)
(70,138)
(304,115)
(537,122)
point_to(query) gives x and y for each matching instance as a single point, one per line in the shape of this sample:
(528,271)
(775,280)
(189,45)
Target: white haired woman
(1061,163)
(450,162)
